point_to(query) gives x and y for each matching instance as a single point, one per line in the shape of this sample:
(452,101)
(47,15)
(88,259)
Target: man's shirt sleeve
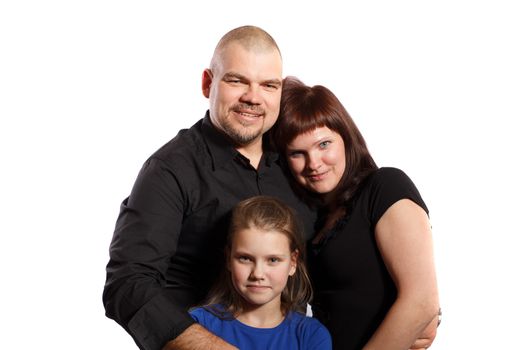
(145,239)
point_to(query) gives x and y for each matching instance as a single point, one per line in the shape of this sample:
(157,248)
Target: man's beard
(241,137)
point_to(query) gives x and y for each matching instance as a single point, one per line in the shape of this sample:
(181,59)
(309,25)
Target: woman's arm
(426,338)
(404,239)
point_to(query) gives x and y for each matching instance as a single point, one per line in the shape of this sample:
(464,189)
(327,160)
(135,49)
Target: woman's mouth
(317,176)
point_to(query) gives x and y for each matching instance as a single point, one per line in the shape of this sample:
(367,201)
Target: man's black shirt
(168,245)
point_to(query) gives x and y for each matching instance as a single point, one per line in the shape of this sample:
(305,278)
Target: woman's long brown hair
(305,108)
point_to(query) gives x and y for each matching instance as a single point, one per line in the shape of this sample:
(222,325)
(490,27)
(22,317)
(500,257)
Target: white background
(89,89)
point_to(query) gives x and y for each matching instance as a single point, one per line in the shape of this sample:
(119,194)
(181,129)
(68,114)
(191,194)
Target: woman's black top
(353,290)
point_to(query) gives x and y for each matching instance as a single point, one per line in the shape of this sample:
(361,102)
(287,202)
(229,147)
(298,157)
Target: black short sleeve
(387,186)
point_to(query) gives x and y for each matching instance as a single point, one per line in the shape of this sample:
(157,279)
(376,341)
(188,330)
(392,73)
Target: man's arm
(145,239)
(197,337)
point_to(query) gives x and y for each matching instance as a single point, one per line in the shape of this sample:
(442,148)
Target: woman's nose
(313,163)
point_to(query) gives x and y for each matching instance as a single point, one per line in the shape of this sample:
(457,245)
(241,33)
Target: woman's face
(317,159)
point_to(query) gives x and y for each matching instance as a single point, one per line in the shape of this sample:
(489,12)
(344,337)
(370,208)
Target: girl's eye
(274,260)
(243,259)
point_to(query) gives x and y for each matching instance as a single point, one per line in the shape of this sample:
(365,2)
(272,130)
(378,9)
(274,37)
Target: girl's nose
(257,271)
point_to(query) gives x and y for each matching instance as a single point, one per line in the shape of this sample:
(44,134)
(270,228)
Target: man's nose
(252,95)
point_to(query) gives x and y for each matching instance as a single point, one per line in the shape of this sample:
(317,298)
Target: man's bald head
(251,38)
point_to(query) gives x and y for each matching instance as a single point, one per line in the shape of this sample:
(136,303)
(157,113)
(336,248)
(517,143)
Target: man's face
(244,89)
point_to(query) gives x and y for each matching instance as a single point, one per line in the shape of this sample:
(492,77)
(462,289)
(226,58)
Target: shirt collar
(219,146)
(221,149)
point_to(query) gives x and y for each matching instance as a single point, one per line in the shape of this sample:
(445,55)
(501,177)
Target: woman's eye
(324,144)
(294,154)
(243,259)
(274,260)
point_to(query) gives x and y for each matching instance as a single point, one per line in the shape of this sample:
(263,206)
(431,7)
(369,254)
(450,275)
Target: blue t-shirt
(296,332)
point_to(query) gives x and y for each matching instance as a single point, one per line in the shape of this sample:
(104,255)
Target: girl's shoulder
(305,322)
(210,313)
(311,332)
(199,313)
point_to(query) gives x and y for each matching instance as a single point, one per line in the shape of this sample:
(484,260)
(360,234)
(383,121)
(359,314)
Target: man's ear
(293,258)
(207,77)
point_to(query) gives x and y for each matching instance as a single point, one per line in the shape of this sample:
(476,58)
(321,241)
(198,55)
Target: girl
(257,302)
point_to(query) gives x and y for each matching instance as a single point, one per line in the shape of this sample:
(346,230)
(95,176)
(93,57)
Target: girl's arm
(404,239)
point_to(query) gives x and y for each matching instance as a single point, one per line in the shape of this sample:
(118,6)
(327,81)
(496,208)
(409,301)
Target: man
(168,242)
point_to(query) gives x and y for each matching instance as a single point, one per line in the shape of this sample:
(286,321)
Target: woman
(371,262)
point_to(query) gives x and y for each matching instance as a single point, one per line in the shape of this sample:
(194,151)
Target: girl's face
(260,263)
(317,159)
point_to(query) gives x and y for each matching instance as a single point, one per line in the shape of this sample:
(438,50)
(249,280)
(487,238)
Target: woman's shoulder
(388,175)
(388,179)
(386,186)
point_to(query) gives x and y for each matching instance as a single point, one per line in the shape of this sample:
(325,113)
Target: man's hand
(197,337)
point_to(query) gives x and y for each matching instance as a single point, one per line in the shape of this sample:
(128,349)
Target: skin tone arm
(427,337)
(404,239)
(197,337)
